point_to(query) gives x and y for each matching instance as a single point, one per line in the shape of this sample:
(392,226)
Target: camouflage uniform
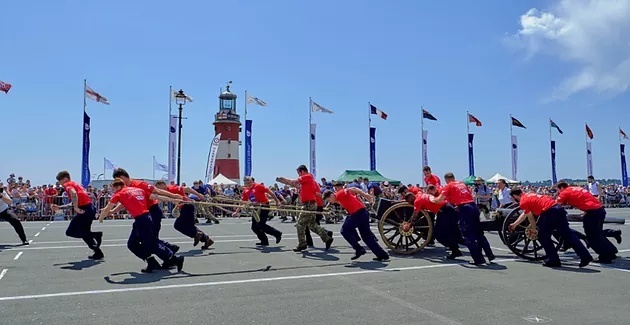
(307,219)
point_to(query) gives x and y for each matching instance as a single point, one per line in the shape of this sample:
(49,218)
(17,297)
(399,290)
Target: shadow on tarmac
(78,266)
(568,267)
(143,278)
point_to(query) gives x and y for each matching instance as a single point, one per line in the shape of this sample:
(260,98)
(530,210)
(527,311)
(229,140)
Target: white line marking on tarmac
(2,274)
(37,234)
(18,256)
(126,239)
(43,228)
(125,245)
(217,283)
(30,241)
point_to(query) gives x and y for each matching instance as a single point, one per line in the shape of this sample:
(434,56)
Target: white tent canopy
(222,180)
(497,177)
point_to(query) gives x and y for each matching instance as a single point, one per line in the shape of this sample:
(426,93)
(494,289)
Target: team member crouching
(154,208)
(142,242)
(185,223)
(256,192)
(458,194)
(593,221)
(81,225)
(358,219)
(445,228)
(551,217)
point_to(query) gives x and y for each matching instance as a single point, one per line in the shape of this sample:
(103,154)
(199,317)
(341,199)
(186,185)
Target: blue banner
(85,162)
(248,147)
(554,177)
(471,157)
(372,148)
(624,171)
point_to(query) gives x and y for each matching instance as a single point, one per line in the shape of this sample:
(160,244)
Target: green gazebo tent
(373,176)
(470,180)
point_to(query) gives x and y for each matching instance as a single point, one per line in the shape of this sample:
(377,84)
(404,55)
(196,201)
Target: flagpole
(550,141)
(310,121)
(104,167)
(153,168)
(422,141)
(83,119)
(369,133)
(244,140)
(468,133)
(586,143)
(511,135)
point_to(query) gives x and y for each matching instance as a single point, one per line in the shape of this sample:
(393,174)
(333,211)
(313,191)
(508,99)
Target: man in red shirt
(431,179)
(142,242)
(257,192)
(185,223)
(154,208)
(445,229)
(403,190)
(458,194)
(81,225)
(308,192)
(358,219)
(318,218)
(593,221)
(551,217)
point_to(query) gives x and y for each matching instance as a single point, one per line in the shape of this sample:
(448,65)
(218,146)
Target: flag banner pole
(624,170)
(372,148)
(313,158)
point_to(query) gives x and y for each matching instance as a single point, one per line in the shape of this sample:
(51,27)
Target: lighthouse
(227,123)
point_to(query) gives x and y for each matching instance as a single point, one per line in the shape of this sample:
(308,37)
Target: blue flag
(624,171)
(248,147)
(85,162)
(471,158)
(554,177)
(372,148)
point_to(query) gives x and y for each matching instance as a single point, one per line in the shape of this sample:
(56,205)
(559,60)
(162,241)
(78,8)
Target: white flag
(212,156)
(172,147)
(109,165)
(174,97)
(319,108)
(90,93)
(158,166)
(514,157)
(256,101)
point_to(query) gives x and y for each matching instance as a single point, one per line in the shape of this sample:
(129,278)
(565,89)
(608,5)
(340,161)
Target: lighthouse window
(229,141)
(229,155)
(228,128)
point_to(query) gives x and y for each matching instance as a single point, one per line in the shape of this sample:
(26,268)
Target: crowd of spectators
(34,202)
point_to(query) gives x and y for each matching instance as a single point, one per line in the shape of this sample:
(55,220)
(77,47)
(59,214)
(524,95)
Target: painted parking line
(17,256)
(3,273)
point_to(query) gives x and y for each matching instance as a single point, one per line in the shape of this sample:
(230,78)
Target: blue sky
(448,56)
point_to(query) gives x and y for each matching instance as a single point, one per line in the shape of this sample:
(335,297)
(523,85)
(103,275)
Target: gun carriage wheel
(522,242)
(400,234)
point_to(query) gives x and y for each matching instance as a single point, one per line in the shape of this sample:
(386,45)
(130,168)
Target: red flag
(589,133)
(472,119)
(5,87)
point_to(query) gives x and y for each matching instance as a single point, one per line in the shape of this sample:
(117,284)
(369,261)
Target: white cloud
(588,33)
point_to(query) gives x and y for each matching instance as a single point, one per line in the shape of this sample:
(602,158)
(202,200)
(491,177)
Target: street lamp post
(180,99)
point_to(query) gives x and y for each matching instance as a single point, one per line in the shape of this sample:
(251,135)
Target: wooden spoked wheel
(521,243)
(400,234)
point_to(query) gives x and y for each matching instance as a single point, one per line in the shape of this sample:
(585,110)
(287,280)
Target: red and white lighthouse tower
(228,123)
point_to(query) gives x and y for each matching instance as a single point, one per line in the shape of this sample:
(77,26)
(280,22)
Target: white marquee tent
(495,179)
(222,180)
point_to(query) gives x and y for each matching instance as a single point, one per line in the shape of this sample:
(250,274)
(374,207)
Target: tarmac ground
(235,282)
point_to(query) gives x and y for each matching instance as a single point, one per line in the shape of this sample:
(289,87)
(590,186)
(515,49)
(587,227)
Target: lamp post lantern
(180,99)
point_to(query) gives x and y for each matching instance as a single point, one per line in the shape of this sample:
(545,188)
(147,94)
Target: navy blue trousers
(142,242)
(555,218)
(446,229)
(81,225)
(156,217)
(474,238)
(185,223)
(360,221)
(262,229)
(593,223)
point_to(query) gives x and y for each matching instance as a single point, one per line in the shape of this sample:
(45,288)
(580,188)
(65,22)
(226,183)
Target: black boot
(152,264)
(358,254)
(98,236)
(177,261)
(98,254)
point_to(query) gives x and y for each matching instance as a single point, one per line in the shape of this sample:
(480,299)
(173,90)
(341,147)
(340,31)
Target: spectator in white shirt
(504,194)
(594,187)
